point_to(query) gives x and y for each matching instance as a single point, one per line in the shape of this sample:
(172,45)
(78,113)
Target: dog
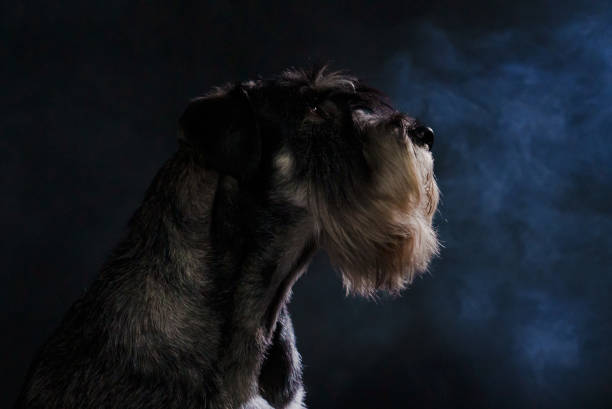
(190,309)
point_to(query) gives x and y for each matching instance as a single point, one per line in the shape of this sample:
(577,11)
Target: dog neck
(217,262)
(260,247)
(209,233)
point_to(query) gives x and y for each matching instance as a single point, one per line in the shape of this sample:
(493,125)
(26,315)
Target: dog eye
(319,111)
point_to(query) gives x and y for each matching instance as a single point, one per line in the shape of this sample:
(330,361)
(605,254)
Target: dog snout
(422,135)
(419,134)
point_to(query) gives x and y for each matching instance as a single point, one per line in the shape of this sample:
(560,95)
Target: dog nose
(422,135)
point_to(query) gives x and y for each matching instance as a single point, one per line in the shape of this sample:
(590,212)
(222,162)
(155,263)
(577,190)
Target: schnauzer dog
(190,310)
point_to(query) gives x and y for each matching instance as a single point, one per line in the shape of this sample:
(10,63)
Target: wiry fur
(382,242)
(190,310)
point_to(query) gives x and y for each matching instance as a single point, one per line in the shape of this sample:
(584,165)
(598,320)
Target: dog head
(335,147)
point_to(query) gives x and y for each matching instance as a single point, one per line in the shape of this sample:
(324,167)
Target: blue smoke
(524,161)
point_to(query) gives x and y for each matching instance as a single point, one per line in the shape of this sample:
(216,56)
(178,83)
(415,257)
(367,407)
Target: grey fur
(190,310)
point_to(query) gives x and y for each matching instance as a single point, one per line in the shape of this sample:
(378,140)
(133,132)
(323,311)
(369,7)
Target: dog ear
(224,130)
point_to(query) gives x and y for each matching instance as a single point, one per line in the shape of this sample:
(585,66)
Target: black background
(516,311)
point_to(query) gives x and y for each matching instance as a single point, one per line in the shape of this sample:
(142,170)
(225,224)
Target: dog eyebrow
(340,97)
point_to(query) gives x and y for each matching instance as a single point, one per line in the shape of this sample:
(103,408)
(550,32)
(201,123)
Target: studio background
(516,313)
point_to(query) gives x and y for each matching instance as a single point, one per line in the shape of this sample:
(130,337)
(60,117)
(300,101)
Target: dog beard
(381,236)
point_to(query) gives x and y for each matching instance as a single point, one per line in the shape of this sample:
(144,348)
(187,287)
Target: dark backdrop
(514,314)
